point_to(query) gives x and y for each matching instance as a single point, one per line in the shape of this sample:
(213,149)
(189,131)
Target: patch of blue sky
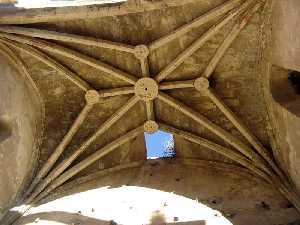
(157,144)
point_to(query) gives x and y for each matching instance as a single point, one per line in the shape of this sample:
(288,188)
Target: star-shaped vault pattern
(148,89)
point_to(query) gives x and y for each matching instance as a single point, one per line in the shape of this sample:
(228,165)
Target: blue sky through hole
(159,144)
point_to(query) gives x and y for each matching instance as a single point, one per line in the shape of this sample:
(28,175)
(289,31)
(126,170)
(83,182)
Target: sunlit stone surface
(127,205)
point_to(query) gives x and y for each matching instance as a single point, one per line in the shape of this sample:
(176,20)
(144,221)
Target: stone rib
(227,152)
(17,61)
(150,110)
(90,177)
(236,30)
(57,49)
(116,91)
(199,43)
(89,160)
(144,61)
(212,14)
(241,127)
(49,61)
(229,138)
(60,148)
(286,191)
(72,38)
(145,67)
(67,162)
(176,84)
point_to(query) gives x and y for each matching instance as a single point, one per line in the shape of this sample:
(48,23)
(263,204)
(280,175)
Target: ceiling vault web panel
(148,89)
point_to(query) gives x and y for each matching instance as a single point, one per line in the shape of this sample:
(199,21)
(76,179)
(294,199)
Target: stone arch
(223,134)
(21,127)
(257,201)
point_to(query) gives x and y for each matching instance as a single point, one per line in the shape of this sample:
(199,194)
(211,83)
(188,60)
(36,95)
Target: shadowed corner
(294,77)
(9,216)
(5,127)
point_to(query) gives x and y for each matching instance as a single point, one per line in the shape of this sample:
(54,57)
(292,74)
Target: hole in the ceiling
(294,77)
(5,127)
(213,81)
(285,88)
(159,145)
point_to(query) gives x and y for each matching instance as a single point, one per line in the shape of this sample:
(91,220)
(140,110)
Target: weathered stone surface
(21,119)
(252,201)
(282,98)
(285,41)
(235,80)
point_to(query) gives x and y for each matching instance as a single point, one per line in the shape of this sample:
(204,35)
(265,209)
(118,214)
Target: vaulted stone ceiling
(191,70)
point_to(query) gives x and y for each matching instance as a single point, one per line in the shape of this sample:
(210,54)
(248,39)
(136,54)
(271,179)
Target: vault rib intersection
(147,89)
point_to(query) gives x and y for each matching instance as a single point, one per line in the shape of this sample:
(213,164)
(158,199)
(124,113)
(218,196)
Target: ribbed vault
(150,90)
